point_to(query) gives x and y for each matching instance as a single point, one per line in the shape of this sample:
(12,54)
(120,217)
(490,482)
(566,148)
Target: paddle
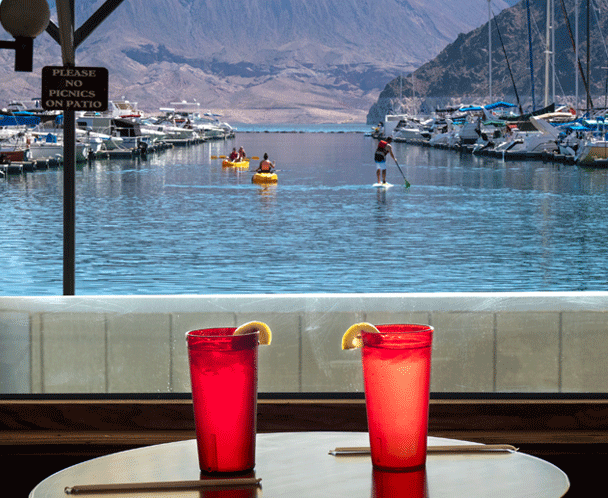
(255,158)
(407,184)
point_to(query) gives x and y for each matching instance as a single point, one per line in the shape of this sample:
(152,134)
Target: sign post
(68,89)
(69,39)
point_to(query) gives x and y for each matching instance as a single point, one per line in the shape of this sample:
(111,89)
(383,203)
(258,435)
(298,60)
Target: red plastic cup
(396,376)
(390,484)
(224,375)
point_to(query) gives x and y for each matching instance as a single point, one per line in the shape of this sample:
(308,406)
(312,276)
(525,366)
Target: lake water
(179,223)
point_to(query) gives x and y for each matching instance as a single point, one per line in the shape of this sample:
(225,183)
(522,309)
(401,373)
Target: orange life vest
(265,165)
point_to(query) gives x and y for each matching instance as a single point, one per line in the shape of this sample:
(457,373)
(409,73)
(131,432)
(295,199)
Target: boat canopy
(576,126)
(471,108)
(498,104)
(19,118)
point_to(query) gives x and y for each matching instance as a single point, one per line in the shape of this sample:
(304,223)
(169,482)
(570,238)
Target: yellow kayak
(235,164)
(265,178)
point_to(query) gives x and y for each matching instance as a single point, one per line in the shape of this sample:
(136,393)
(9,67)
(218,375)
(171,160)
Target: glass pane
(483,343)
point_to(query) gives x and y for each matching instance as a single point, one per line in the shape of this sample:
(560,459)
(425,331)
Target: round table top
(299,465)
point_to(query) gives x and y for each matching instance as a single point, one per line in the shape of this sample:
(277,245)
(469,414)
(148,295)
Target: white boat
(446,137)
(413,130)
(173,126)
(526,145)
(124,109)
(469,132)
(50,147)
(118,133)
(592,151)
(97,142)
(391,121)
(593,144)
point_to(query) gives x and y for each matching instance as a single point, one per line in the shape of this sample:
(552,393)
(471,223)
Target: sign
(67,88)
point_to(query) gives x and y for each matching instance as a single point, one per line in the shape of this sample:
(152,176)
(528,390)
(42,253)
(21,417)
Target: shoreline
(359,128)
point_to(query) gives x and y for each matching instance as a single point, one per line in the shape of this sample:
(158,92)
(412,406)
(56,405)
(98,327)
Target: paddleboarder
(384,148)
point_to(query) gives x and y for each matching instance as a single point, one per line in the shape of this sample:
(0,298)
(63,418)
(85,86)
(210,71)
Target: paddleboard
(382,185)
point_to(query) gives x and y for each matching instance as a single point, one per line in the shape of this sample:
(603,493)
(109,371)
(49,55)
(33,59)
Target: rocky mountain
(257,60)
(460,73)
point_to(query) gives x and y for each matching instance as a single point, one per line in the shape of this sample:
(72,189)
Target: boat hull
(15,155)
(593,151)
(235,164)
(45,151)
(265,178)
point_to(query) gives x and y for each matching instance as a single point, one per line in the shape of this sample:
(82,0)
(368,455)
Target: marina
(549,134)
(31,138)
(178,222)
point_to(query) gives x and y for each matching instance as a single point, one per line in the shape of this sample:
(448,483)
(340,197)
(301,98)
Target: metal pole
(65,14)
(69,204)
(69,40)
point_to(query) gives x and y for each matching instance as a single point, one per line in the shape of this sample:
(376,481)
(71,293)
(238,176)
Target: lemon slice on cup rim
(352,337)
(265,334)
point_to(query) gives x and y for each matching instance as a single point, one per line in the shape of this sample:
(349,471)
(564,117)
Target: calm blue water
(179,223)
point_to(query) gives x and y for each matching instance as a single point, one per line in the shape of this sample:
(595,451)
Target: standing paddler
(385,148)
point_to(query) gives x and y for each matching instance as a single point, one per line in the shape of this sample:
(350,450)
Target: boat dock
(21,167)
(545,156)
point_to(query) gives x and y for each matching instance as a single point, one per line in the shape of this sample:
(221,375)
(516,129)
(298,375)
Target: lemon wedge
(265,336)
(352,337)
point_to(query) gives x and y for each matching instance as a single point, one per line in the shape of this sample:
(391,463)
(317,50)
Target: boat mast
(531,57)
(576,106)
(589,104)
(521,111)
(490,51)
(577,62)
(548,50)
(548,30)
(553,47)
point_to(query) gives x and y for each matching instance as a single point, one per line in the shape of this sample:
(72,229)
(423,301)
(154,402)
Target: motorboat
(50,147)
(413,130)
(592,151)
(529,144)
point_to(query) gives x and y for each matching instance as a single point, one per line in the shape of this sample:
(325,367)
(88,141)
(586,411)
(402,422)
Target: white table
(299,465)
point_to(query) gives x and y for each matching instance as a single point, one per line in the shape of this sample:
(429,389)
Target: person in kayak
(384,148)
(242,154)
(234,155)
(265,166)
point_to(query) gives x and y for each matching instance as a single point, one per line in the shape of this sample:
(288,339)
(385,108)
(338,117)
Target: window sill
(142,422)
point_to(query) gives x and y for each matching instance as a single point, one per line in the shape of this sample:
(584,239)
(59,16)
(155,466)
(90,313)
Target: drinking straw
(461,448)
(164,485)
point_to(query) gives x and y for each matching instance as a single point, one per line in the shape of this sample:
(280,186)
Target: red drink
(224,375)
(396,375)
(387,484)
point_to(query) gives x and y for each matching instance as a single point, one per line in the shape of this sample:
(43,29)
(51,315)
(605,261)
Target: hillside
(460,72)
(277,60)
